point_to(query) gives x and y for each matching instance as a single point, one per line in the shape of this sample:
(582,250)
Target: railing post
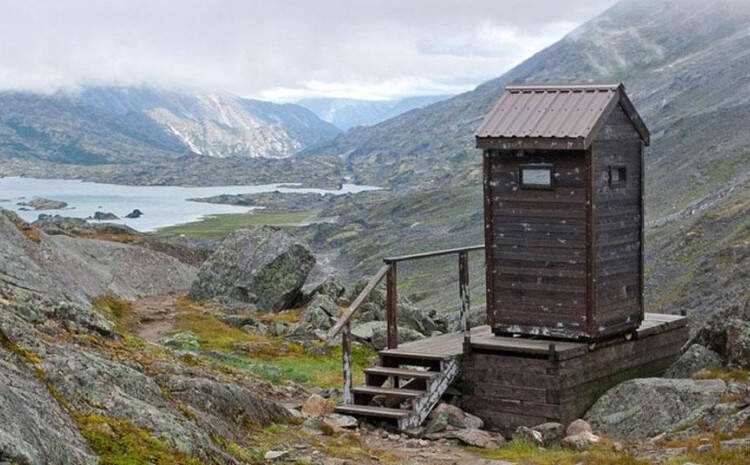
(346,351)
(391,306)
(463,293)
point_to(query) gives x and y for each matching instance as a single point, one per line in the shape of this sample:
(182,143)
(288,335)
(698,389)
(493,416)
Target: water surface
(161,205)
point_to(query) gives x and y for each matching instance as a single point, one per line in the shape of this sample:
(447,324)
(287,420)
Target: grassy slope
(216,226)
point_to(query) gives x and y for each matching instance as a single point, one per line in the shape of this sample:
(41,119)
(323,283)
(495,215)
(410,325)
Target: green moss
(725,374)
(119,442)
(269,357)
(120,311)
(524,453)
(220,225)
(714,457)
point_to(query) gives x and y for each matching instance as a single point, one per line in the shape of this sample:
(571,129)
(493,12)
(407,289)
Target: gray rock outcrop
(643,408)
(379,338)
(34,429)
(263,266)
(728,334)
(695,359)
(81,269)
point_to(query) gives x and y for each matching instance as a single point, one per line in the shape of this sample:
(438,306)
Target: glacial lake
(161,205)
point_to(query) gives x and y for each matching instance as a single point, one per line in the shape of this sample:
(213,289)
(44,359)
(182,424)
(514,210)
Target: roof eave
(635,118)
(530,143)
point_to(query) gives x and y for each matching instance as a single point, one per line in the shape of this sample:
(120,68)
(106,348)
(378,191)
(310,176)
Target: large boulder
(263,266)
(643,408)
(727,332)
(695,359)
(738,344)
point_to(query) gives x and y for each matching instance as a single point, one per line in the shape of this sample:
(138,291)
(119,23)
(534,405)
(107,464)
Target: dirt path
(155,316)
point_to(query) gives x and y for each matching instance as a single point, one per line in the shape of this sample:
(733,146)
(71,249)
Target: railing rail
(389,271)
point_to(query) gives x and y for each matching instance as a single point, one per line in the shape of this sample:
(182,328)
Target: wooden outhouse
(563,184)
(563,193)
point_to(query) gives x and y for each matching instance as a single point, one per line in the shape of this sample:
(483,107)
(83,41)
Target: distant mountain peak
(346,113)
(112,124)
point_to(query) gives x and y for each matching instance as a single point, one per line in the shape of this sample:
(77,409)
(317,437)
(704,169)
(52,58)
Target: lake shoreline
(163,206)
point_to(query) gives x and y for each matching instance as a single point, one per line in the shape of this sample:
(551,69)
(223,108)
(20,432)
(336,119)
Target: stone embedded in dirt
(275,454)
(526,434)
(550,432)
(581,441)
(472,437)
(317,406)
(263,266)
(134,214)
(695,359)
(643,408)
(578,426)
(342,421)
(446,417)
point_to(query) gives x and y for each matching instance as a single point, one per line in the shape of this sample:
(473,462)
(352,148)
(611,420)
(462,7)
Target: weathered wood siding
(536,241)
(617,228)
(508,390)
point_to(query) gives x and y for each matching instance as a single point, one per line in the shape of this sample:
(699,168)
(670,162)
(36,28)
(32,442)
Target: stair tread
(386,391)
(373,411)
(403,372)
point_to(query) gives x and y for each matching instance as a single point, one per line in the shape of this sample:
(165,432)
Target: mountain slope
(347,113)
(119,125)
(685,63)
(679,59)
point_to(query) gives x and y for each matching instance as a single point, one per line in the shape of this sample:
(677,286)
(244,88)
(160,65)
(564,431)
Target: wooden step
(371,411)
(406,355)
(389,392)
(401,372)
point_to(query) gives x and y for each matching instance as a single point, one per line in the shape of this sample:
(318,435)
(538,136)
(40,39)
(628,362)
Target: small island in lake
(40,203)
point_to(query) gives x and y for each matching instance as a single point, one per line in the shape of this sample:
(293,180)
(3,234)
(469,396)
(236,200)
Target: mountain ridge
(99,125)
(347,113)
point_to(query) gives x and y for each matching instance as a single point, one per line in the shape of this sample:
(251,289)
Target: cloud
(279,50)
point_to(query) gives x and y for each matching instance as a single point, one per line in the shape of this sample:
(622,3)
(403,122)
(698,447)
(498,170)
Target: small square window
(617,176)
(536,177)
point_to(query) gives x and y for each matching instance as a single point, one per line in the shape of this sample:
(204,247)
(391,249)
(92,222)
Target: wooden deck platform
(447,346)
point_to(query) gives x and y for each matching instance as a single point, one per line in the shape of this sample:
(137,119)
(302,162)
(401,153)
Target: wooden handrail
(436,253)
(389,271)
(349,313)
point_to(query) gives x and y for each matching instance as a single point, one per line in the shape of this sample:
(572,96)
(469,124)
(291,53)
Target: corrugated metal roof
(548,111)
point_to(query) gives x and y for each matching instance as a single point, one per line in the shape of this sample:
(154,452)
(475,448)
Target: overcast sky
(278,50)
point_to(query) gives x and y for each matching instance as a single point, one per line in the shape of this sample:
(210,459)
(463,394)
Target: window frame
(537,166)
(622,176)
